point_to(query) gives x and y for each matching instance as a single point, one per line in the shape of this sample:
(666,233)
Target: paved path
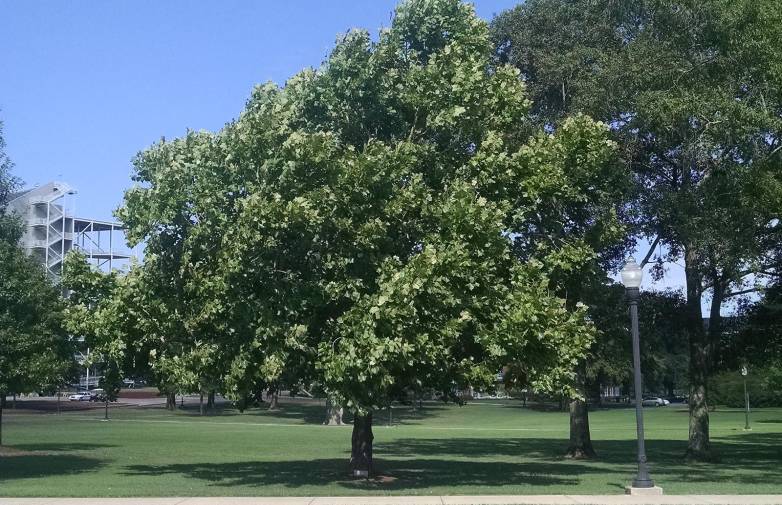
(419,500)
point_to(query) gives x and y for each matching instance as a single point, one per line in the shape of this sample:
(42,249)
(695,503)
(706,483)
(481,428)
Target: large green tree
(379,223)
(693,93)
(35,352)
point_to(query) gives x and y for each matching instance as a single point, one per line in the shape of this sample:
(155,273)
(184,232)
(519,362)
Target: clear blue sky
(84,85)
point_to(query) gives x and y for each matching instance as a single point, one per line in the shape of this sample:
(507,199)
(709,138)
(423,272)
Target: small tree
(110,382)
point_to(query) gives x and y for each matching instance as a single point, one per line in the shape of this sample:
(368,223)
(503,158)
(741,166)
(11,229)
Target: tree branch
(651,250)
(742,292)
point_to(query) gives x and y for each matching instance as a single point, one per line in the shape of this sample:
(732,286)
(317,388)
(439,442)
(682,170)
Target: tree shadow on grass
(494,462)
(308,413)
(393,475)
(61,446)
(314,413)
(748,458)
(28,466)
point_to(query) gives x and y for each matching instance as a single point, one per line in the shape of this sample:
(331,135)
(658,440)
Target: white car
(654,401)
(79,397)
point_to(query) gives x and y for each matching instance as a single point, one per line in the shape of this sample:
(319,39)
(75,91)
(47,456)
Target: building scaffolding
(52,230)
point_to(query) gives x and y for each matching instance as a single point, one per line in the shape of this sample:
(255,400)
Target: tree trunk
(2,406)
(698,446)
(361,446)
(333,414)
(714,334)
(274,399)
(170,401)
(210,401)
(715,324)
(580,439)
(106,410)
(201,404)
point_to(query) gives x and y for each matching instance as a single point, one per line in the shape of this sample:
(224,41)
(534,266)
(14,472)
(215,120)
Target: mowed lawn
(480,448)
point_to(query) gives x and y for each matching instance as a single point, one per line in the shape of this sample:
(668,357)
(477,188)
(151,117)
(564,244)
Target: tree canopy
(385,221)
(692,91)
(35,352)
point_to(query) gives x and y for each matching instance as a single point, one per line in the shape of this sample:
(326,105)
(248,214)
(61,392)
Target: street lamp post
(744,373)
(631,278)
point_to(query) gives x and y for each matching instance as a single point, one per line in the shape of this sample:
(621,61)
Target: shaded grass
(481,448)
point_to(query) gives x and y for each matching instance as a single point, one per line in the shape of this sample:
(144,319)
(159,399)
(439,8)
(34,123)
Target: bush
(764,386)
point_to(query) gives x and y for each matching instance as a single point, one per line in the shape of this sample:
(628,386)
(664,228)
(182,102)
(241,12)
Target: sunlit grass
(480,448)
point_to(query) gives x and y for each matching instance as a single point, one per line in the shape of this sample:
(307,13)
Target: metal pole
(642,479)
(746,402)
(111,245)
(87,384)
(62,243)
(48,214)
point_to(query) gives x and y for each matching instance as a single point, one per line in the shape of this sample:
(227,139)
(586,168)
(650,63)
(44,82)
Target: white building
(52,229)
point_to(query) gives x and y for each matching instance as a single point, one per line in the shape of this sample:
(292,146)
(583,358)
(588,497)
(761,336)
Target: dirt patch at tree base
(10,452)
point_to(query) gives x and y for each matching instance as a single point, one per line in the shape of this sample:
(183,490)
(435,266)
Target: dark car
(97,395)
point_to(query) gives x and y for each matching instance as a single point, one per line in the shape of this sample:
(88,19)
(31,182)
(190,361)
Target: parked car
(80,397)
(98,395)
(654,401)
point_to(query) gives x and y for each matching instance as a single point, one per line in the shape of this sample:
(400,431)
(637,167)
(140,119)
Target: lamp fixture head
(632,274)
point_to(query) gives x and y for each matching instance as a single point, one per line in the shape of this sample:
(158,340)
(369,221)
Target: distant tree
(663,341)
(664,334)
(693,94)
(8,182)
(95,313)
(758,333)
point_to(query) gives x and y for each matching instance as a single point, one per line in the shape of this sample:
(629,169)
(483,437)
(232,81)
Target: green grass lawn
(480,448)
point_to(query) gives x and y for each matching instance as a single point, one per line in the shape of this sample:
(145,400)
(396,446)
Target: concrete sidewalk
(418,500)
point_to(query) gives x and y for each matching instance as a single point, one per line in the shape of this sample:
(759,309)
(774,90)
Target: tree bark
(170,401)
(361,446)
(698,446)
(201,403)
(333,414)
(210,401)
(580,439)
(715,323)
(2,406)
